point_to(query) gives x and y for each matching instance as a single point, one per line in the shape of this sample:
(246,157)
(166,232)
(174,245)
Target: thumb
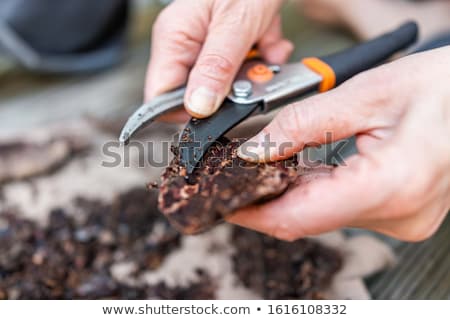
(338,114)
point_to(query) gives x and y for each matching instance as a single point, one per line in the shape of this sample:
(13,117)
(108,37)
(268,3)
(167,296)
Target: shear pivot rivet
(275,68)
(242,88)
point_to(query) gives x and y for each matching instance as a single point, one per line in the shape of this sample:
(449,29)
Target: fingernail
(254,150)
(203,102)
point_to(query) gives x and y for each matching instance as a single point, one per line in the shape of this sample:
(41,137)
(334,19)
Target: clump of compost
(221,184)
(283,270)
(73,255)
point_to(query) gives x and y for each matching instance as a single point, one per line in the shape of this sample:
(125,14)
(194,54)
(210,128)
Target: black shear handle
(347,63)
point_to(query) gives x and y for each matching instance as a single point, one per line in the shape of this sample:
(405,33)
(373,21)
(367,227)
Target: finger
(223,52)
(358,188)
(174,49)
(273,47)
(350,109)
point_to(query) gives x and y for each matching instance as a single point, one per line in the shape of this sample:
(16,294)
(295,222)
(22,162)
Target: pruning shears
(260,87)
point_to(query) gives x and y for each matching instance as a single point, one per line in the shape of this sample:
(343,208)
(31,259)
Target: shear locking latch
(272,85)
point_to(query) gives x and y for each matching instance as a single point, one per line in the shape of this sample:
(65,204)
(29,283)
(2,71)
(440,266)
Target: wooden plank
(422,272)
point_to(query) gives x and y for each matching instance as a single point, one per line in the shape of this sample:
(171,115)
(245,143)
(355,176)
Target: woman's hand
(204,42)
(398,184)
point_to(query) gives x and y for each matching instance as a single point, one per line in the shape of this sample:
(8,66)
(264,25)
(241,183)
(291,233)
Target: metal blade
(200,134)
(151,110)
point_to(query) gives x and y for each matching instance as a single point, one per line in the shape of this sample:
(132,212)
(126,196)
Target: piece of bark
(283,270)
(222,184)
(21,159)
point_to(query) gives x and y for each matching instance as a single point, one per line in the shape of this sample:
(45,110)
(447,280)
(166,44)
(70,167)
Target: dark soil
(220,185)
(281,270)
(72,255)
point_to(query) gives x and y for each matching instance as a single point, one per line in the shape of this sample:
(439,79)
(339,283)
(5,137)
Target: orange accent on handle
(253,53)
(260,73)
(322,68)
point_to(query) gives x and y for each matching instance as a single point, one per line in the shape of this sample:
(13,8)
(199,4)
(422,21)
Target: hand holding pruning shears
(203,43)
(398,184)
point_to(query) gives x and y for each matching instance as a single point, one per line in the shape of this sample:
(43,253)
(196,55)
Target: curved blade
(200,134)
(151,110)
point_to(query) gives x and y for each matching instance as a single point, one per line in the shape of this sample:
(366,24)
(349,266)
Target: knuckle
(237,16)
(374,88)
(215,67)
(177,43)
(233,11)
(290,119)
